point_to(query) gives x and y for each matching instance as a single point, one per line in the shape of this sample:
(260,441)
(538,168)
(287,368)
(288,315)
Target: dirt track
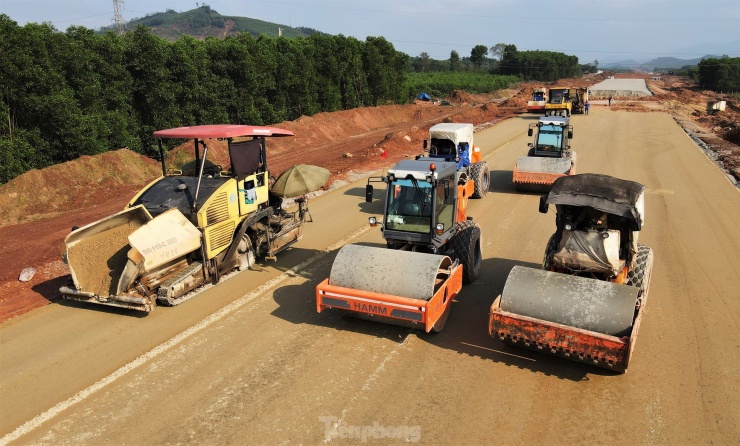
(268,369)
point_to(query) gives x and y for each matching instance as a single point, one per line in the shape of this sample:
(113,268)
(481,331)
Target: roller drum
(387,271)
(543,164)
(588,304)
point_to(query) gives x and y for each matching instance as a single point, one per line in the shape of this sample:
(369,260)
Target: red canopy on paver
(221,131)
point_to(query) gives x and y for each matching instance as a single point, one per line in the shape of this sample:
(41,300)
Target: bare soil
(41,206)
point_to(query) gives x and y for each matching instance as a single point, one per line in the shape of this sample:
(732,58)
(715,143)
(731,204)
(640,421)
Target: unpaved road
(251,362)
(620,87)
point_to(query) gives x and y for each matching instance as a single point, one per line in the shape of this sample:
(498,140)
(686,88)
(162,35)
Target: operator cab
(420,200)
(553,136)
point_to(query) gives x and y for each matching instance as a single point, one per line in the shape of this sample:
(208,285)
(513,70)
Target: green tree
(153,96)
(326,51)
(385,69)
(497,51)
(353,80)
(478,55)
(455,64)
(721,75)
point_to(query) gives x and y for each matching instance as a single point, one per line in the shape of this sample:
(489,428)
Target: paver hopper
(548,158)
(587,302)
(432,249)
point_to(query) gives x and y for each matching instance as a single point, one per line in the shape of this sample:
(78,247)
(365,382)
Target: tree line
(505,59)
(78,92)
(73,93)
(720,74)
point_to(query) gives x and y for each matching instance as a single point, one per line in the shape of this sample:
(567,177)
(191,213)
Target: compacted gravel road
(249,361)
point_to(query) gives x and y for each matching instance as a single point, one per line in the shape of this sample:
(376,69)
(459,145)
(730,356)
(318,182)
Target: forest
(73,93)
(720,74)
(82,92)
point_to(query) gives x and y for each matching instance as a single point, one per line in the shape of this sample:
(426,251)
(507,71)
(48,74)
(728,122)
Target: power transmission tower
(118,17)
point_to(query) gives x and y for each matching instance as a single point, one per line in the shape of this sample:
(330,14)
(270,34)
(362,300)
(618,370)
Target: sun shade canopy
(608,194)
(221,131)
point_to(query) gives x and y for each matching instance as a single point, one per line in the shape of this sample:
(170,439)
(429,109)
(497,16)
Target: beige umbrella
(300,180)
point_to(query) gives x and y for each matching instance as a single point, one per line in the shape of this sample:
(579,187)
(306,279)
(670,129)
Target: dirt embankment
(41,206)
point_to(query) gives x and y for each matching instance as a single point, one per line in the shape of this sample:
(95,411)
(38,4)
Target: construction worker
(585,107)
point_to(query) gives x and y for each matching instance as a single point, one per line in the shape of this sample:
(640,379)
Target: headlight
(373,221)
(440,228)
(568,227)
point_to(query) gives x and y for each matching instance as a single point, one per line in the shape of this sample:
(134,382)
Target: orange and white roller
(392,286)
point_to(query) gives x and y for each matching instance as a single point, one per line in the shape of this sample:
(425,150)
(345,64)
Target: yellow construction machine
(188,227)
(587,301)
(558,102)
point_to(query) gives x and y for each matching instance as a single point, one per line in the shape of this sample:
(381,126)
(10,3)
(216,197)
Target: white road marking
(82,395)
(365,387)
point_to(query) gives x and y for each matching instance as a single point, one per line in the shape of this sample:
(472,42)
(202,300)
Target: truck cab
(559,102)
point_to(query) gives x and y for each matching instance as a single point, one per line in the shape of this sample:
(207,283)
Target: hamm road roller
(587,301)
(188,227)
(549,157)
(433,247)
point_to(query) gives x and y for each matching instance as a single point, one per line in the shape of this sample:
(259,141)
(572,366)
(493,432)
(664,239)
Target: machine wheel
(552,246)
(640,275)
(530,152)
(466,245)
(481,179)
(245,253)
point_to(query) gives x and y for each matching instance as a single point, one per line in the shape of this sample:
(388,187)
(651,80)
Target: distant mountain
(204,21)
(650,65)
(731,49)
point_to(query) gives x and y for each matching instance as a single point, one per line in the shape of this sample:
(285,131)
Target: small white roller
(387,271)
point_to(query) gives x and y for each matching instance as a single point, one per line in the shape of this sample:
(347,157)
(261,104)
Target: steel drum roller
(387,271)
(589,304)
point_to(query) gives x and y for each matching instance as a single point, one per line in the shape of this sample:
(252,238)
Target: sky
(602,30)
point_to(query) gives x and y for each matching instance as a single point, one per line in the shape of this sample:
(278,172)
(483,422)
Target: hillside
(650,65)
(204,21)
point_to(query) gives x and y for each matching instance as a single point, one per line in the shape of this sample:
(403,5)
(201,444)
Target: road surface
(251,362)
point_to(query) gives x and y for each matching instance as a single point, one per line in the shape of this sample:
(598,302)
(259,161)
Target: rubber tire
(640,276)
(481,179)
(466,246)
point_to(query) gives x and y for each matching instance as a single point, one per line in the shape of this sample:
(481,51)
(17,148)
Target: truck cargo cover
(605,193)
(456,133)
